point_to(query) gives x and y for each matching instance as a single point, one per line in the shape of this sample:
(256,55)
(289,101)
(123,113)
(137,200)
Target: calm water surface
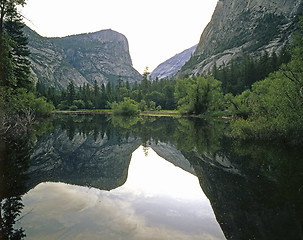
(158,201)
(103,177)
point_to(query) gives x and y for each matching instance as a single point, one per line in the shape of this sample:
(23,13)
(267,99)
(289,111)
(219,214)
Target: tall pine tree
(13,27)
(9,42)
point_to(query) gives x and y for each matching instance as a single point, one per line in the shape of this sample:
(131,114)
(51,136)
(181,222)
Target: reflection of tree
(187,134)
(70,129)
(156,129)
(85,125)
(11,209)
(146,128)
(145,150)
(200,135)
(124,124)
(14,155)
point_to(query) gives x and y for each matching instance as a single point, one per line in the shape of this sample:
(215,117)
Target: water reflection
(253,189)
(15,150)
(158,201)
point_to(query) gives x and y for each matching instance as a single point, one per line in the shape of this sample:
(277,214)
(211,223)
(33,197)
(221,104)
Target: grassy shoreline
(162,113)
(99,111)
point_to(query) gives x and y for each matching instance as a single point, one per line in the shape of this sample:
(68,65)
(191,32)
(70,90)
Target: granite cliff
(101,56)
(242,27)
(171,66)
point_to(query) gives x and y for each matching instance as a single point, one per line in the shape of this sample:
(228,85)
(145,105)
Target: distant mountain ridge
(85,58)
(171,66)
(242,27)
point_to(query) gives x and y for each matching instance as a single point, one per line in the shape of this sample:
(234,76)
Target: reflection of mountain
(170,153)
(101,163)
(246,205)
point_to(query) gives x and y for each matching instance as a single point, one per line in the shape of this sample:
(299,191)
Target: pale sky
(156,29)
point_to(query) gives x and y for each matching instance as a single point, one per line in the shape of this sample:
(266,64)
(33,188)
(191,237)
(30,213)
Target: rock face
(49,64)
(171,66)
(101,56)
(242,27)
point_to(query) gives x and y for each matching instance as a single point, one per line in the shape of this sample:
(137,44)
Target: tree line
(150,95)
(240,74)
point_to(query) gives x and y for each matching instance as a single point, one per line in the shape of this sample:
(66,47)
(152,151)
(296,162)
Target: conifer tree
(7,72)
(71,93)
(13,27)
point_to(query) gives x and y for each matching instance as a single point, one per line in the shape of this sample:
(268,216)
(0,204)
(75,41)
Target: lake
(108,177)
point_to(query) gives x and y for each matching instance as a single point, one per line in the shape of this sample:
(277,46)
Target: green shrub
(142,106)
(73,108)
(20,102)
(79,103)
(126,107)
(152,106)
(62,106)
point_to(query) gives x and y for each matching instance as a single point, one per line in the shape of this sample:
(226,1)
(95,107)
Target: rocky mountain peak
(171,66)
(242,27)
(101,56)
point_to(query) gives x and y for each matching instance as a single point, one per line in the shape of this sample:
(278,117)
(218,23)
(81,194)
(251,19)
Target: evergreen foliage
(13,27)
(150,95)
(239,75)
(14,66)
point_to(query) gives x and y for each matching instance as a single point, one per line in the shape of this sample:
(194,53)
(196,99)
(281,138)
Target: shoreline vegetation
(161,113)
